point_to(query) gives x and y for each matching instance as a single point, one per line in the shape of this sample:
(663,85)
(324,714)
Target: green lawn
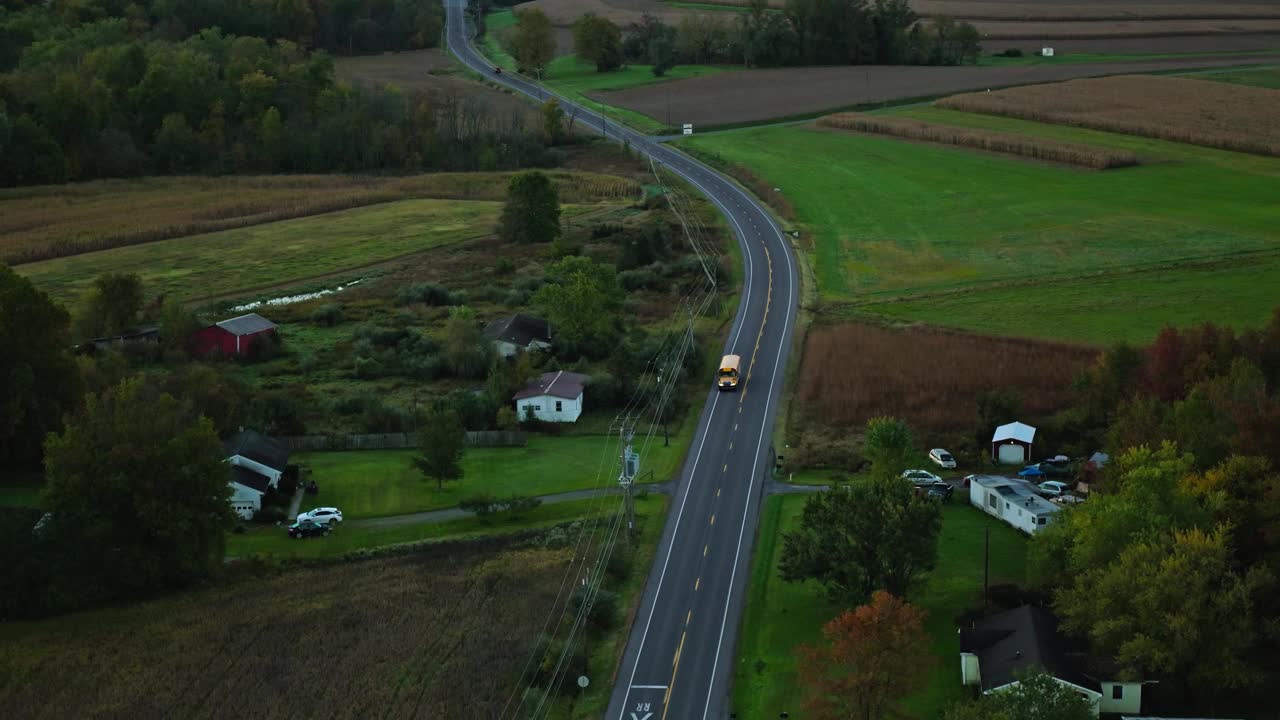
(891,220)
(708,7)
(1265,77)
(780,616)
(20,493)
(274,542)
(1109,308)
(573,79)
(275,253)
(375,483)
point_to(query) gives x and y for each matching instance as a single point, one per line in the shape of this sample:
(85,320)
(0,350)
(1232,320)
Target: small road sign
(583,681)
(688,128)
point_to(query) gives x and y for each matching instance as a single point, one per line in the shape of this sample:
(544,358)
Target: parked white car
(1053,488)
(322,515)
(920,477)
(942,458)
(1066,499)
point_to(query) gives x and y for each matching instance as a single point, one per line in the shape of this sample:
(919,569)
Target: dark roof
(259,448)
(249,478)
(560,384)
(247,324)
(1012,642)
(519,329)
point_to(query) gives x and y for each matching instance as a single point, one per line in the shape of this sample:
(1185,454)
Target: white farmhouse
(257,464)
(554,397)
(1014,501)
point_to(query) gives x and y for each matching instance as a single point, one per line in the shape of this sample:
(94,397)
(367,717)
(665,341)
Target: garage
(1011,444)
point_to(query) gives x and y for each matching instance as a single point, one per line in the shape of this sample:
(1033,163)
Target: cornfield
(1197,112)
(1011,143)
(929,377)
(443,633)
(41,223)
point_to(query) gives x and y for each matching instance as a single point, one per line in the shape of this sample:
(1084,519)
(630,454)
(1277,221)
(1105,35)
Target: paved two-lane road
(679,658)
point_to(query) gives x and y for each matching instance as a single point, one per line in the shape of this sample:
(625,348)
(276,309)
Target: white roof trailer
(1014,501)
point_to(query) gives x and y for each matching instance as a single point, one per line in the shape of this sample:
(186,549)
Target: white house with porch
(257,463)
(553,397)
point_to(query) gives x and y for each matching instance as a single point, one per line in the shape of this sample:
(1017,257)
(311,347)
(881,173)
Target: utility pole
(630,467)
(986,565)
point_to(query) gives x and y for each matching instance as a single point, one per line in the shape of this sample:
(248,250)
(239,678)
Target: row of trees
(342,26)
(805,32)
(102,99)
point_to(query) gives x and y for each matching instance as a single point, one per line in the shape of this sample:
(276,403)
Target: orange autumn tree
(872,657)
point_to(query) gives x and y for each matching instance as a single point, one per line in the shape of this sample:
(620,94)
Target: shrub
(603,614)
(1011,52)
(642,279)
(520,504)
(378,417)
(481,505)
(328,315)
(366,368)
(504,266)
(269,514)
(351,405)
(425,293)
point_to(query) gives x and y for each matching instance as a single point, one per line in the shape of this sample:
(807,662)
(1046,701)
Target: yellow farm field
(40,223)
(1199,112)
(1098,158)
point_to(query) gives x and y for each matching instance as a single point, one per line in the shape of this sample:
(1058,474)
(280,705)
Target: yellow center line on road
(705,550)
(697,584)
(713,519)
(675,668)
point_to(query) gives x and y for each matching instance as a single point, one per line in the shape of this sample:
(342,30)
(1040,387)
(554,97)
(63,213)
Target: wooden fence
(398,441)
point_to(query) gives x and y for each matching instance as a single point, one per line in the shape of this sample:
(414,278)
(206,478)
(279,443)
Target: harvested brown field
(757,95)
(1065,48)
(1199,112)
(1098,10)
(929,377)
(430,71)
(563,13)
(1009,30)
(439,634)
(1089,156)
(40,223)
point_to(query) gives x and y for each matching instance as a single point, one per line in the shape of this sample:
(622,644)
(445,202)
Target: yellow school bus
(727,378)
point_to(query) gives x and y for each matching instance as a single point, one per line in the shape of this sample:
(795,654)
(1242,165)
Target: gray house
(514,333)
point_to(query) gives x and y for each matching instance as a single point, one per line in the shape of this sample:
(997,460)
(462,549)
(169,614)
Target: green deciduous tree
(1036,695)
(177,324)
(39,377)
(582,300)
(440,445)
(598,40)
(553,122)
(870,659)
(532,212)
(1172,606)
(888,446)
(870,535)
(110,305)
(138,486)
(533,43)
(467,352)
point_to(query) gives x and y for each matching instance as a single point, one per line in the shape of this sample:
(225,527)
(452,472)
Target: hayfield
(442,633)
(1180,109)
(931,378)
(1097,10)
(1267,77)
(51,221)
(1008,143)
(755,95)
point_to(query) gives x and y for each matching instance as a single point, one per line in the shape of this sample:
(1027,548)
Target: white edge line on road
(622,133)
(648,687)
(759,441)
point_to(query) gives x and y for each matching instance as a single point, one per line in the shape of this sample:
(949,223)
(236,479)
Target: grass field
(891,220)
(780,616)
(1266,77)
(49,221)
(1073,58)
(274,542)
(441,633)
(375,483)
(261,256)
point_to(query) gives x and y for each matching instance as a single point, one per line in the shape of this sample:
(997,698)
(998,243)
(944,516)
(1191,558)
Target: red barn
(232,337)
